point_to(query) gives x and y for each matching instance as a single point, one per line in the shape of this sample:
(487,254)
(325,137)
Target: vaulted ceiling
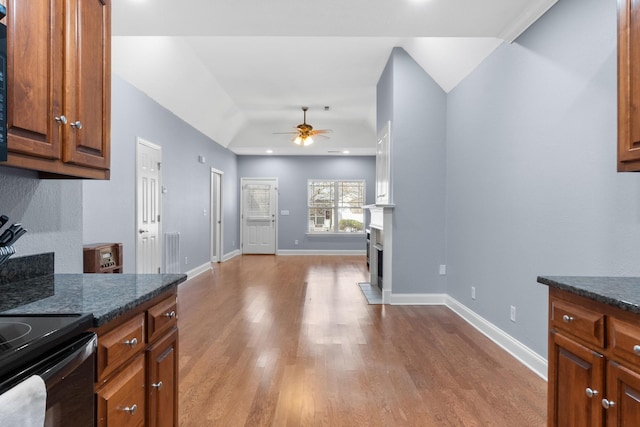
(239,71)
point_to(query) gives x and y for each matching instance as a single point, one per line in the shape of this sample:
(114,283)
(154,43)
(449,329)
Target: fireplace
(379,247)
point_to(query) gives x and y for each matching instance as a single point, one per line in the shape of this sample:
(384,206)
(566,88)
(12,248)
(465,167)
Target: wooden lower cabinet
(121,402)
(162,378)
(137,367)
(592,385)
(623,389)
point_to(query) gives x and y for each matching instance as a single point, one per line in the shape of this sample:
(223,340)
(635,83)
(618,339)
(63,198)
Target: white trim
(520,24)
(416,299)
(198,270)
(321,252)
(232,254)
(521,352)
(515,348)
(216,246)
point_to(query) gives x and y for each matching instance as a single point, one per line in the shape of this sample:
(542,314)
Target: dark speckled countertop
(621,292)
(106,296)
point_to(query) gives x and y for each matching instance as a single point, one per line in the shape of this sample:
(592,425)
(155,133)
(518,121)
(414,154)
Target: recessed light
(269,151)
(346,152)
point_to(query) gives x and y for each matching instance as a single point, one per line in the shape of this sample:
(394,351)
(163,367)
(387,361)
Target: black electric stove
(25,338)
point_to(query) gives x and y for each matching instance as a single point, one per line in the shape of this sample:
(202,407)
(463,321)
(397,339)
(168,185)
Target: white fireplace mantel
(381,240)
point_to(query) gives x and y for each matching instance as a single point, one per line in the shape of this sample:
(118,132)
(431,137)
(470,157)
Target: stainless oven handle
(83,349)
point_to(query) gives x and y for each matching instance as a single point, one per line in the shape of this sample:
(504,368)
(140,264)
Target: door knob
(143,231)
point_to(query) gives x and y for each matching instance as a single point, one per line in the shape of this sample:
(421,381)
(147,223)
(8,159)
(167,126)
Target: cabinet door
(628,85)
(623,393)
(121,401)
(573,369)
(34,75)
(162,377)
(88,79)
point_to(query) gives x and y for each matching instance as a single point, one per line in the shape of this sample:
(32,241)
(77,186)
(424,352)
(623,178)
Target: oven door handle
(72,356)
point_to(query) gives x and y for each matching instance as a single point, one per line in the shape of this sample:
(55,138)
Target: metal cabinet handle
(130,409)
(142,231)
(132,342)
(606,404)
(76,124)
(157,385)
(567,319)
(61,120)
(636,349)
(170,315)
(591,393)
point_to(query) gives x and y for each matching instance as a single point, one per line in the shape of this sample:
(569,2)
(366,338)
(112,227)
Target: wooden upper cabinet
(88,71)
(628,85)
(59,86)
(34,74)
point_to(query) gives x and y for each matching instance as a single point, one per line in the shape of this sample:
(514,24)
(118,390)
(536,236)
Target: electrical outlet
(473,292)
(443,269)
(186,260)
(513,313)
(295,242)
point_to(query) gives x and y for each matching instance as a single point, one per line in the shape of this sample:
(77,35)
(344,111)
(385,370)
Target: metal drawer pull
(157,385)
(591,393)
(130,409)
(606,404)
(132,342)
(566,318)
(636,349)
(170,315)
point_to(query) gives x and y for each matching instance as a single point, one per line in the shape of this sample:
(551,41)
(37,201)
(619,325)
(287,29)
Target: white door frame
(139,263)
(275,228)
(216,216)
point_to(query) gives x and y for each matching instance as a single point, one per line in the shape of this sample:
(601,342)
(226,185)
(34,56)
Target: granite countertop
(106,296)
(621,292)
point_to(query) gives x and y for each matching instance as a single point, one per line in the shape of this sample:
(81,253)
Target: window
(335,206)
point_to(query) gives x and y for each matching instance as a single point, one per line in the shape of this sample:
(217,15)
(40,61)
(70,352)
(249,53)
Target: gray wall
(109,206)
(531,170)
(292,173)
(416,106)
(51,211)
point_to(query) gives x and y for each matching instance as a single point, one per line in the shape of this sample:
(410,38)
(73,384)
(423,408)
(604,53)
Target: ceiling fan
(304,131)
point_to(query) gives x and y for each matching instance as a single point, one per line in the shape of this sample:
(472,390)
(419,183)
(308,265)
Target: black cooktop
(26,338)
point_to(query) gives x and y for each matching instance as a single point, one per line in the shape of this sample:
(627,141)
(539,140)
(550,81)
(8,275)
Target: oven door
(68,373)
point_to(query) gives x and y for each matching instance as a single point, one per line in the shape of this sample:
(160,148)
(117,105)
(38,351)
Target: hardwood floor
(291,341)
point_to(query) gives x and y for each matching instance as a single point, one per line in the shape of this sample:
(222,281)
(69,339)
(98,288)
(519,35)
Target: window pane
(350,194)
(321,194)
(350,220)
(320,220)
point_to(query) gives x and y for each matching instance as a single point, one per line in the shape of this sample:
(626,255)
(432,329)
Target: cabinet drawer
(117,346)
(121,402)
(624,339)
(578,321)
(161,317)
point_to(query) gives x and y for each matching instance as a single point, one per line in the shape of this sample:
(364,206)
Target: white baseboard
(521,352)
(321,252)
(198,270)
(232,254)
(415,299)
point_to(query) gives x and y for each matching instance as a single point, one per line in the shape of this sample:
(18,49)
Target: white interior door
(148,191)
(259,207)
(216,215)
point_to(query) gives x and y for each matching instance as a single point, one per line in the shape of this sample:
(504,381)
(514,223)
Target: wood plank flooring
(291,341)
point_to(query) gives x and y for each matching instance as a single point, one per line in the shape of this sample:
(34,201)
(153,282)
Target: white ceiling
(241,70)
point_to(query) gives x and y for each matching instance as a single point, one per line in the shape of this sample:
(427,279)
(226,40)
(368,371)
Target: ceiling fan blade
(321,131)
(285,133)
